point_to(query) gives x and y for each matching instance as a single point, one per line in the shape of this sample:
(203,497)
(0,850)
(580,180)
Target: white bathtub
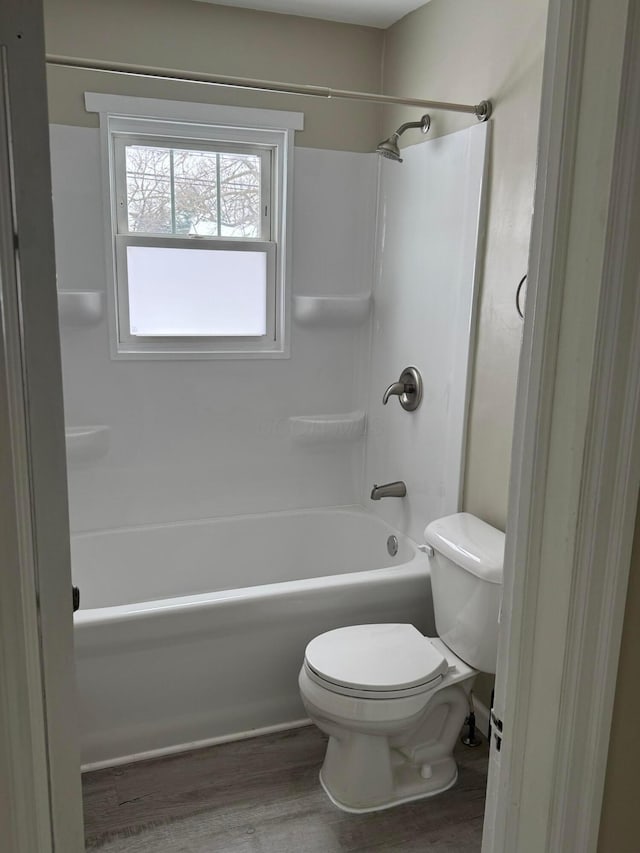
(194,633)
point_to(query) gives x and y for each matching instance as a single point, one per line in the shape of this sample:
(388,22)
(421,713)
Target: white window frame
(207,127)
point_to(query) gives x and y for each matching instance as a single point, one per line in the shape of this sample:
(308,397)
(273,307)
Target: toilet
(393,701)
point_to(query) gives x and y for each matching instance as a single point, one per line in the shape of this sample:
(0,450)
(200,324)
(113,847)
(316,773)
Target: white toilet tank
(466,580)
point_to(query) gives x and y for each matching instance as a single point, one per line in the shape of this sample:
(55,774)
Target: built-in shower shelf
(86,443)
(80,307)
(331,310)
(328,427)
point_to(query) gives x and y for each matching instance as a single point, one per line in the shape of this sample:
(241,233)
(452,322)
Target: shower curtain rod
(482,111)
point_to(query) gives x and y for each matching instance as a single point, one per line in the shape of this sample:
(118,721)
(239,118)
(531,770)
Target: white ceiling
(371,13)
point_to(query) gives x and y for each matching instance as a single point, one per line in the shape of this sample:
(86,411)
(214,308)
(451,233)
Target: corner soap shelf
(80,307)
(86,443)
(331,310)
(328,427)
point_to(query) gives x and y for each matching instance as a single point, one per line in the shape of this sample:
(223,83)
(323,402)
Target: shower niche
(321,311)
(313,428)
(80,307)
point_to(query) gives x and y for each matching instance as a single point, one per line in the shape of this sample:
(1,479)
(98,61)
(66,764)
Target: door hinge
(496,726)
(75,596)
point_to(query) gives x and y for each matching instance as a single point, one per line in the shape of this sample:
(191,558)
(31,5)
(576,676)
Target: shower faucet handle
(397,388)
(408,389)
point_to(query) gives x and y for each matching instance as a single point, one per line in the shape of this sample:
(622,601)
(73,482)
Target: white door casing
(575,462)
(39,756)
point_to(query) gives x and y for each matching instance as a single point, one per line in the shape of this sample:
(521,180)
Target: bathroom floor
(263,796)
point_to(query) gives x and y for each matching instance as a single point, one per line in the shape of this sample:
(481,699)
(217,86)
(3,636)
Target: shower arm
(407,126)
(482,111)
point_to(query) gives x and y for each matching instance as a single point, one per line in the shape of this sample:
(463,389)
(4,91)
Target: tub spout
(396,489)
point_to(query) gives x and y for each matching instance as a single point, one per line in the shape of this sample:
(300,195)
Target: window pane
(240,195)
(186,191)
(148,189)
(196,192)
(196,292)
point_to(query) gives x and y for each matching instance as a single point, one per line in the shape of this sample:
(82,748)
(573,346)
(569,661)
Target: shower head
(389,148)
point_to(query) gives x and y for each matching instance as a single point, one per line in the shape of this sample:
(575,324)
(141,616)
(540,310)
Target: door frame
(39,753)
(576,453)
(575,471)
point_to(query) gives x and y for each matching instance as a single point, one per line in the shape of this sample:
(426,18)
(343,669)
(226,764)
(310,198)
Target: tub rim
(417,566)
(197,602)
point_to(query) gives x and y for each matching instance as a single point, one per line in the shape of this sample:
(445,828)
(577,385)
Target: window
(197,229)
(195,258)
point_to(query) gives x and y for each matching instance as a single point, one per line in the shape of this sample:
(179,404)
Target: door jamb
(39,748)
(568,543)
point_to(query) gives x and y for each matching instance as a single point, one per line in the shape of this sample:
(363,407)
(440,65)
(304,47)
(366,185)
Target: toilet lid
(375,657)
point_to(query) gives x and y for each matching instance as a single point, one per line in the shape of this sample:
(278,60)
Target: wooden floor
(263,796)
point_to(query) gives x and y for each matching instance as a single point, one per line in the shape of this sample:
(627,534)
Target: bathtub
(193,633)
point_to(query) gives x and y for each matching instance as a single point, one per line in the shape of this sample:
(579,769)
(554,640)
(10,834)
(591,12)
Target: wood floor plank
(263,796)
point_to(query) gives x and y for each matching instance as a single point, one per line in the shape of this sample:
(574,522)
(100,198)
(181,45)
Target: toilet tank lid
(470,543)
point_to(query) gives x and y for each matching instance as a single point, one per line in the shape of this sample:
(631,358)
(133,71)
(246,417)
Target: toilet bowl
(393,701)
(388,743)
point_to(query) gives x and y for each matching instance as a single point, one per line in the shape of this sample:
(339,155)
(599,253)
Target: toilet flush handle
(426,549)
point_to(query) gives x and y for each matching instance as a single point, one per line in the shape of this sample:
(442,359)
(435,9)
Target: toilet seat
(383,661)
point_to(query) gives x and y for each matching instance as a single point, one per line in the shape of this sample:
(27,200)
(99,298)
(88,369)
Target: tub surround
(429,242)
(225,422)
(291,435)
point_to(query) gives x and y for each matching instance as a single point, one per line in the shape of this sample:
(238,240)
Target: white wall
(197,439)
(429,215)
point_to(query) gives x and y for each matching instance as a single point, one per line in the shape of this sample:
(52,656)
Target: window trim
(152,117)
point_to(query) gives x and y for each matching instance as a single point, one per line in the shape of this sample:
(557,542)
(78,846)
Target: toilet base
(380,765)
(429,789)
(382,752)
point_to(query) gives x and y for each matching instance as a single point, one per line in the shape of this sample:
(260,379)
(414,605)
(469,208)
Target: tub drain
(392,545)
